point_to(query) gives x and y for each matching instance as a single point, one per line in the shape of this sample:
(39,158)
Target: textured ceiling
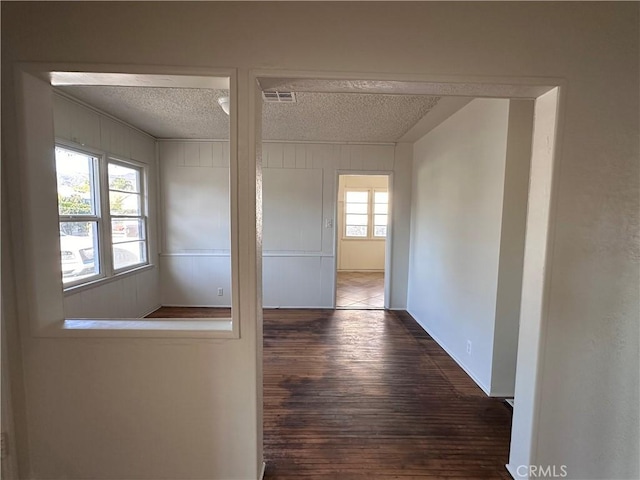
(344,117)
(195,113)
(161,112)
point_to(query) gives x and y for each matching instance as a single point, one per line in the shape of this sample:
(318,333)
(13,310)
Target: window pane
(357,197)
(357,220)
(380,231)
(124,203)
(126,230)
(356,231)
(380,220)
(381,208)
(78,247)
(128,254)
(124,178)
(381,197)
(74,172)
(357,208)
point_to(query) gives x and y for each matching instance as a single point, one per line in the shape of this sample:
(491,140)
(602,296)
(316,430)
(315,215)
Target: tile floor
(360,290)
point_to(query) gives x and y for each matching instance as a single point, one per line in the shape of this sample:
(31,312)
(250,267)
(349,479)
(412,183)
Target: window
(102,216)
(128,225)
(356,213)
(366,212)
(380,206)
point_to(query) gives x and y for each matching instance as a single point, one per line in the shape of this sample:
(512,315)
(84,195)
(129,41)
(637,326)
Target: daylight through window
(366,213)
(102,216)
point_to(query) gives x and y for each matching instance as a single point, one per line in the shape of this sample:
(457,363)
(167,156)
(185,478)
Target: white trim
(42,286)
(89,78)
(331,142)
(306,142)
(484,388)
(149,312)
(388,246)
(192,140)
(143,327)
(262,471)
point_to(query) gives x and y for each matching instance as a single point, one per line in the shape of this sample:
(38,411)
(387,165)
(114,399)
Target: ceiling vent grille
(279,97)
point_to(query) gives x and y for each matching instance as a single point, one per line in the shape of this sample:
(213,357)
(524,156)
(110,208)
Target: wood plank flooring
(367,394)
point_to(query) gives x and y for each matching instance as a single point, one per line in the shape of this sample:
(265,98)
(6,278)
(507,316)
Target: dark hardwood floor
(367,394)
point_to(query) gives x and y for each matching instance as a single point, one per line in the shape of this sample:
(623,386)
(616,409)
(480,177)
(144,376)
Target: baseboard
(484,388)
(151,311)
(264,467)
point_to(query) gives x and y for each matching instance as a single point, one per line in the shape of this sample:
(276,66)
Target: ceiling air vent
(279,97)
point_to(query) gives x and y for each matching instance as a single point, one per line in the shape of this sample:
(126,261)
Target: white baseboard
(453,356)
(264,467)
(151,311)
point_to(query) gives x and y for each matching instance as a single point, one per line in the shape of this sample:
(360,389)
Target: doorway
(363,212)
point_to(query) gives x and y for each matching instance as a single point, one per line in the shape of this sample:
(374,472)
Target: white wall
(195,259)
(458,178)
(131,295)
(356,254)
(299,181)
(299,196)
(512,239)
(87,422)
(468,233)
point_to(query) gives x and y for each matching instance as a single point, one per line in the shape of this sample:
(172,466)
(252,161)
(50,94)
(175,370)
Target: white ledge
(149,328)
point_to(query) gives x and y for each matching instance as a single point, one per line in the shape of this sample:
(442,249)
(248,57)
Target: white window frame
(103,217)
(96,217)
(370,213)
(373,213)
(142,217)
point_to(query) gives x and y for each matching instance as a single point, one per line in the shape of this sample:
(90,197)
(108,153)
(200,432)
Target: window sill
(147,328)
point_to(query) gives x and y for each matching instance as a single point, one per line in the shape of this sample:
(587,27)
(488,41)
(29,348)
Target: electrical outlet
(468,347)
(220,292)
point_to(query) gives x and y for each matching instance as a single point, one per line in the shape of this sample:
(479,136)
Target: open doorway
(362,230)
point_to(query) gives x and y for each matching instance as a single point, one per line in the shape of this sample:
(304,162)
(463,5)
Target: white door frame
(542,202)
(387,241)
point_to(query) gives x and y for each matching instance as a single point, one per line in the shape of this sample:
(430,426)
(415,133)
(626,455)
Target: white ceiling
(195,113)
(344,117)
(161,112)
